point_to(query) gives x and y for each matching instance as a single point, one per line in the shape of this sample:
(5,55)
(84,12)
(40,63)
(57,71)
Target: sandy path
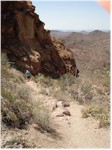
(76,132)
(83,133)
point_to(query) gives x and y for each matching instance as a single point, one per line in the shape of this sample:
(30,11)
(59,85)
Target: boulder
(61,112)
(66,104)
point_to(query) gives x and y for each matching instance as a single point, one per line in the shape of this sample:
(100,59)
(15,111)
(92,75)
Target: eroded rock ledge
(29,45)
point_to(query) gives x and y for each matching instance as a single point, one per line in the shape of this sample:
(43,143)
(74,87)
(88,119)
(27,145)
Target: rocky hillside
(91,49)
(85,40)
(29,45)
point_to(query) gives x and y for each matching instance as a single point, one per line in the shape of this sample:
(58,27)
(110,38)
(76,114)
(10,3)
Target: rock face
(29,45)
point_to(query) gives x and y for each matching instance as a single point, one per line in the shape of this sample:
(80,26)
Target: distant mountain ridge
(86,46)
(62,34)
(60,30)
(71,39)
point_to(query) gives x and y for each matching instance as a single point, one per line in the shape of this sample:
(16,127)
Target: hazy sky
(72,15)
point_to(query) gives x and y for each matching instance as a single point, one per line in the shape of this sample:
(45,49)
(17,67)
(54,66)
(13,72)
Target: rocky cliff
(29,45)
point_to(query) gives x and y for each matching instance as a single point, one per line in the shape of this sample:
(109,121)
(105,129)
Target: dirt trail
(75,131)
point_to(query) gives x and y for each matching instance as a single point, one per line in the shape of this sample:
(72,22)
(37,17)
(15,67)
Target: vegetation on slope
(92,90)
(17,107)
(93,93)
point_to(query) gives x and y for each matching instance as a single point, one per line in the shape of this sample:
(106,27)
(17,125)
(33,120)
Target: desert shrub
(66,81)
(89,96)
(86,87)
(15,105)
(45,91)
(5,66)
(88,111)
(18,142)
(44,81)
(7,94)
(7,71)
(8,84)
(79,89)
(16,113)
(23,92)
(104,120)
(73,92)
(83,92)
(8,76)
(100,91)
(62,96)
(18,79)
(11,91)
(97,112)
(42,118)
(4,60)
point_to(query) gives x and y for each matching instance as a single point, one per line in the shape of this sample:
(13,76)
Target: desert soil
(74,131)
(71,131)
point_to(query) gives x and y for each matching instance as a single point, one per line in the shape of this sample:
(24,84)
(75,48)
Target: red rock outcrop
(29,45)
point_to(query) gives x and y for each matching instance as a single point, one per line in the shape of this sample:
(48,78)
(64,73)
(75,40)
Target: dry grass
(23,92)
(15,112)
(62,96)
(41,116)
(99,113)
(93,61)
(18,142)
(44,81)
(87,90)
(15,106)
